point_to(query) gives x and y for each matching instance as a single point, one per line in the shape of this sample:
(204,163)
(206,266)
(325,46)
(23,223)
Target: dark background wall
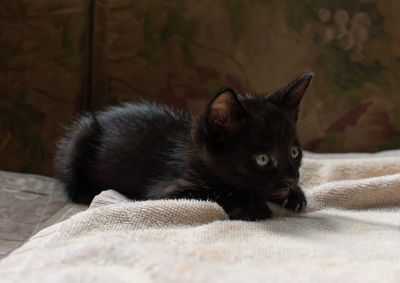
(58,58)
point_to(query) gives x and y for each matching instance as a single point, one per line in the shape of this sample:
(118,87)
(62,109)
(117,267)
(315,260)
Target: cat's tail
(75,153)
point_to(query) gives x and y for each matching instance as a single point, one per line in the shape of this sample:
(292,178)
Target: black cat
(240,152)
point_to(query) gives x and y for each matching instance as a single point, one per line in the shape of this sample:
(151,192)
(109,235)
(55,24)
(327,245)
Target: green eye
(262,159)
(295,151)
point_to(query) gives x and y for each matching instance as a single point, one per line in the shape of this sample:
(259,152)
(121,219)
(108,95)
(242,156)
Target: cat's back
(121,146)
(144,118)
(141,137)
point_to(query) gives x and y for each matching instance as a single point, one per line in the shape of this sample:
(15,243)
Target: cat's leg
(242,209)
(295,200)
(236,205)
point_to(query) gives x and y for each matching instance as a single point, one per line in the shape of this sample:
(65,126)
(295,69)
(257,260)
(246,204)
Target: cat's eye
(262,160)
(295,151)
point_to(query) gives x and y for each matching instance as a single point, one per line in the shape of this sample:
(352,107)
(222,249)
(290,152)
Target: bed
(350,232)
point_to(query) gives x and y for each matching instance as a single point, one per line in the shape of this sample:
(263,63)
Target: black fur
(148,151)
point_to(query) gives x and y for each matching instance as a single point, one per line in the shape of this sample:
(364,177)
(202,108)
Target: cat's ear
(224,113)
(290,97)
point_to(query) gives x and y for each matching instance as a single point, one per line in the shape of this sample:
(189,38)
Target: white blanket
(349,233)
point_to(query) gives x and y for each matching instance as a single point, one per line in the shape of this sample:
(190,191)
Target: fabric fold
(350,232)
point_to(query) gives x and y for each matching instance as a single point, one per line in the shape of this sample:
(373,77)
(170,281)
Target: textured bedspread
(27,204)
(349,233)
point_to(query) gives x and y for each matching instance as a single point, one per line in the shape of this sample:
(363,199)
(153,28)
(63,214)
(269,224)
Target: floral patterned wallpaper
(181,52)
(43,53)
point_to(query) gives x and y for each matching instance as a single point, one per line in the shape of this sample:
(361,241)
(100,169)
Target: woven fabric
(349,233)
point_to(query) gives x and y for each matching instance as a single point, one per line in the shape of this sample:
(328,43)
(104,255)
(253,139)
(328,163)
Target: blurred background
(59,58)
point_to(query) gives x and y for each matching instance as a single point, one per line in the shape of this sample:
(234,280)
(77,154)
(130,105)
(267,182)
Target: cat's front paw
(259,211)
(296,200)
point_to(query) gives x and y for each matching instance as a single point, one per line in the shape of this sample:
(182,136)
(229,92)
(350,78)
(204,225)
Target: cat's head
(251,141)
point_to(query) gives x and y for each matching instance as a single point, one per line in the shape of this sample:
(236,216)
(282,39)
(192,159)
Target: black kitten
(240,152)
